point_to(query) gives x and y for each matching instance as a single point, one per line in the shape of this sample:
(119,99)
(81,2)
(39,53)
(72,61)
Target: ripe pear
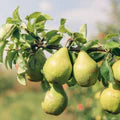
(35,65)
(110,99)
(116,70)
(85,70)
(58,67)
(55,100)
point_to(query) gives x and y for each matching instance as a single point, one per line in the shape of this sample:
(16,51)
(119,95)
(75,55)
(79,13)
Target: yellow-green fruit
(58,67)
(85,70)
(35,65)
(110,100)
(55,100)
(116,70)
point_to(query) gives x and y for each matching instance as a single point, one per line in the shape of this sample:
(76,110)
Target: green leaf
(89,44)
(48,17)
(45,85)
(21,79)
(28,38)
(40,26)
(33,15)
(2,46)
(30,27)
(16,34)
(111,45)
(16,14)
(83,30)
(12,20)
(106,72)
(53,37)
(71,82)
(62,21)
(97,56)
(62,29)
(6,30)
(9,58)
(116,51)
(73,56)
(110,36)
(44,17)
(21,63)
(79,37)
(51,34)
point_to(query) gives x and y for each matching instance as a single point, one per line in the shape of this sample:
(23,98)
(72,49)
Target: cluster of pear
(110,97)
(57,71)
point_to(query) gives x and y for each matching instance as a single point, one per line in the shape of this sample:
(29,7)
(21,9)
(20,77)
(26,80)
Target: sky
(77,12)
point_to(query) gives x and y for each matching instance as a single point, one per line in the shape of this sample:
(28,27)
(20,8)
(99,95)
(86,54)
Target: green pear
(35,65)
(58,67)
(110,99)
(55,100)
(116,70)
(85,70)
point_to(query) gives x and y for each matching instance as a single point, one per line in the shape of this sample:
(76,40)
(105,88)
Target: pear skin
(58,67)
(110,100)
(55,100)
(35,65)
(85,70)
(116,70)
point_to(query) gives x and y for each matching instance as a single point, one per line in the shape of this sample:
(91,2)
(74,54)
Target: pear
(58,67)
(116,70)
(110,99)
(35,65)
(55,100)
(85,70)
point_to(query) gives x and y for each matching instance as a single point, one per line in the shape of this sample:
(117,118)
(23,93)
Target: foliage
(22,39)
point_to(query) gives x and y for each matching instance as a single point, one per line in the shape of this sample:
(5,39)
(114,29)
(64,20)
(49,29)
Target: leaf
(45,85)
(111,45)
(28,38)
(106,72)
(2,46)
(16,34)
(21,79)
(51,33)
(97,56)
(73,56)
(62,29)
(116,51)
(83,30)
(33,15)
(16,14)
(44,17)
(48,17)
(9,58)
(71,82)
(12,20)
(53,37)
(30,27)
(6,30)
(21,63)
(89,44)
(62,21)
(79,37)
(40,26)
(110,36)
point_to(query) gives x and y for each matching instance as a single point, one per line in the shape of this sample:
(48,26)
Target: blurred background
(24,103)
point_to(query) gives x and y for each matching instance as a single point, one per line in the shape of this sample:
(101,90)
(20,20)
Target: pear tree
(74,63)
